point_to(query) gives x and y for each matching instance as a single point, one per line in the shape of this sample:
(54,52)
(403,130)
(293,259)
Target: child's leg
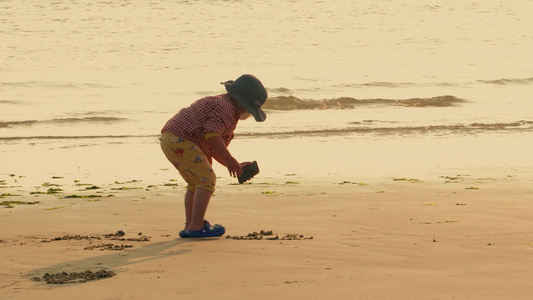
(198,208)
(195,168)
(189,200)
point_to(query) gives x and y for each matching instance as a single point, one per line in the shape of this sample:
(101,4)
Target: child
(203,131)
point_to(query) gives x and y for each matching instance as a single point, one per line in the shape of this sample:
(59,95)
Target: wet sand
(455,236)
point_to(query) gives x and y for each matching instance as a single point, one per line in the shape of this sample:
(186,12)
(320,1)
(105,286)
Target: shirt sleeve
(210,135)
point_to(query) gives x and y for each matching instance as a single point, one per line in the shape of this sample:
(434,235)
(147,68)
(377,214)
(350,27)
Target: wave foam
(474,128)
(60,121)
(295,103)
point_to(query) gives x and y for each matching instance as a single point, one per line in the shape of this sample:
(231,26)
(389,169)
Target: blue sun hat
(250,93)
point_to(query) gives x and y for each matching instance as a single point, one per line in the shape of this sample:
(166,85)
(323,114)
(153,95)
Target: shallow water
(85,87)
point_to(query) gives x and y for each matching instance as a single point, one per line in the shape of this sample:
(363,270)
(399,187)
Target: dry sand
(469,237)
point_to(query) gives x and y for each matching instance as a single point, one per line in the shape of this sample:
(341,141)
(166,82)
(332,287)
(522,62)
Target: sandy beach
(453,237)
(395,161)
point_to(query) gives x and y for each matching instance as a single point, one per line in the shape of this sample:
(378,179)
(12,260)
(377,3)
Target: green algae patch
(53,190)
(49,191)
(10,204)
(129,181)
(54,208)
(82,196)
(268,192)
(407,179)
(94,187)
(125,188)
(85,196)
(455,178)
(350,182)
(8,195)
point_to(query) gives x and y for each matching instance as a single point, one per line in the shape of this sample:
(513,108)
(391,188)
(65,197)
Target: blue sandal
(208,231)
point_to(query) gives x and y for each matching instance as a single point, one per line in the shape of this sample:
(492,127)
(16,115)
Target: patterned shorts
(191,162)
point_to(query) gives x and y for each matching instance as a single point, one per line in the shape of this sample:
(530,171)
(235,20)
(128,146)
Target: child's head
(250,94)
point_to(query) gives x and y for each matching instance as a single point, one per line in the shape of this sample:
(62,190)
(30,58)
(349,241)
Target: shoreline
(336,158)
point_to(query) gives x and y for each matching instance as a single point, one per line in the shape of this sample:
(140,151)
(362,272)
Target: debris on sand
(109,246)
(269,235)
(118,236)
(74,277)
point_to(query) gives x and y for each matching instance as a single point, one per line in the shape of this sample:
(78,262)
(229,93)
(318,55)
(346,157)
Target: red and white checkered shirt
(213,114)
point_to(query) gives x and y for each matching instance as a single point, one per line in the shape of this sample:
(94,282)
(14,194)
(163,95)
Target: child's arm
(224,156)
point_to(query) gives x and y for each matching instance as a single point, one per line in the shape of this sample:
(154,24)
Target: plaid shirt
(207,116)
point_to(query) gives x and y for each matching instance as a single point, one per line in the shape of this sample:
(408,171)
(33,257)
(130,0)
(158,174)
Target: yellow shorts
(191,162)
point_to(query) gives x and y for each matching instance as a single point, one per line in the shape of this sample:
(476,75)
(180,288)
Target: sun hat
(250,93)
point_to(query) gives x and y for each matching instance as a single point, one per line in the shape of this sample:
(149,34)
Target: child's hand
(234,168)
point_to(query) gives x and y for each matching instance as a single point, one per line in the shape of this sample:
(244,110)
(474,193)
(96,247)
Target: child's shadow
(109,261)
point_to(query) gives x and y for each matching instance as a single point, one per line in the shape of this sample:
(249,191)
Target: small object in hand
(248,172)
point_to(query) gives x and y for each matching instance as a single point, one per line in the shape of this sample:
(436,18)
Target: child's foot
(182,234)
(208,231)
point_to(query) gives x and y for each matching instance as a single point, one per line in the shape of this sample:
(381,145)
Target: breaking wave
(384,84)
(61,121)
(364,128)
(295,103)
(75,137)
(402,85)
(10,102)
(473,128)
(506,81)
(49,84)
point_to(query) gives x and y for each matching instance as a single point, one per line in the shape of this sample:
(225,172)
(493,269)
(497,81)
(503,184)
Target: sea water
(357,89)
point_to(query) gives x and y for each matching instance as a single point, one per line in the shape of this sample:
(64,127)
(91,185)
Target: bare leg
(189,199)
(199,207)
